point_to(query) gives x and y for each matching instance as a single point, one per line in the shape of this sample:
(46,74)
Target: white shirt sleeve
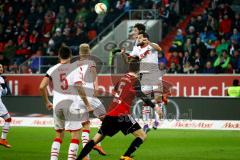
(135,52)
(1,80)
(50,71)
(2,91)
(75,77)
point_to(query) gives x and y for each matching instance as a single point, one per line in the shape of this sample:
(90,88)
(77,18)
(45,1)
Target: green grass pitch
(35,143)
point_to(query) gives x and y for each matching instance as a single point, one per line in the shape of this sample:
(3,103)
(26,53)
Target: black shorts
(112,125)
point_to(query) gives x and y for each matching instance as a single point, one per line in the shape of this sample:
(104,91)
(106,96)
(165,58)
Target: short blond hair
(84,49)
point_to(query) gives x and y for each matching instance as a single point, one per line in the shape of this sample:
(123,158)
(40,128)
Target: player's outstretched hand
(49,106)
(123,51)
(158,110)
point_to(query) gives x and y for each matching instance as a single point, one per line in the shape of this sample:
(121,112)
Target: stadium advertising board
(165,124)
(184,85)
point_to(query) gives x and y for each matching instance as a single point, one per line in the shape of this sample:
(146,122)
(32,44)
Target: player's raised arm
(124,55)
(44,93)
(155,46)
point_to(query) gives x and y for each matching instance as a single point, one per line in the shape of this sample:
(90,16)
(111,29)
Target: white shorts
(67,116)
(99,109)
(149,82)
(3,110)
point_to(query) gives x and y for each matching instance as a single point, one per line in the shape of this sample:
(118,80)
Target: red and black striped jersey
(126,90)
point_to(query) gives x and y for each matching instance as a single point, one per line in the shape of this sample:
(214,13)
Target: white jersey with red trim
(3,109)
(2,90)
(148,56)
(83,74)
(59,75)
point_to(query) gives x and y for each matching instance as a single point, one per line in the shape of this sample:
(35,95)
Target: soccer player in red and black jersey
(119,116)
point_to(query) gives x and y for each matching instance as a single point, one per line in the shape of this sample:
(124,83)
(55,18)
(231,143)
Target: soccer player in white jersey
(66,113)
(149,70)
(4,112)
(90,85)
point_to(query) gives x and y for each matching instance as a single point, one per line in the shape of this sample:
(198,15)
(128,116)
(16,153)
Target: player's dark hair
(145,35)
(64,52)
(134,64)
(235,82)
(141,27)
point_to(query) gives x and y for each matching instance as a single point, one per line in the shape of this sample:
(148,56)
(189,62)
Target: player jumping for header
(119,117)
(149,71)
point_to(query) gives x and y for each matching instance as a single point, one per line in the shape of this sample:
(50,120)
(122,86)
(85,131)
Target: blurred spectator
(212,56)
(49,19)
(200,24)
(187,68)
(4,61)
(25,69)
(162,68)
(208,68)
(198,62)
(221,63)
(191,34)
(235,36)
(36,61)
(57,40)
(61,14)
(188,46)
(173,68)
(207,35)
(179,39)
(200,47)
(235,61)
(161,58)
(9,50)
(236,23)
(225,25)
(34,39)
(234,90)
(187,59)
(173,59)
(122,5)
(222,46)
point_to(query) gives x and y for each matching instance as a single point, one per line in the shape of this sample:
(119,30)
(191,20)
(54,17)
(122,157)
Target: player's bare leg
(56,145)
(85,139)
(5,129)
(89,146)
(140,137)
(158,99)
(74,145)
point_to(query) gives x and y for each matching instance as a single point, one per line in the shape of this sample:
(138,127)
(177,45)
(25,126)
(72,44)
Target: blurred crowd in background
(36,28)
(210,43)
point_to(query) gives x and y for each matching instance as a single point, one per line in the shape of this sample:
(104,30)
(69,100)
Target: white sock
(5,129)
(85,138)
(156,117)
(146,114)
(73,149)
(55,148)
